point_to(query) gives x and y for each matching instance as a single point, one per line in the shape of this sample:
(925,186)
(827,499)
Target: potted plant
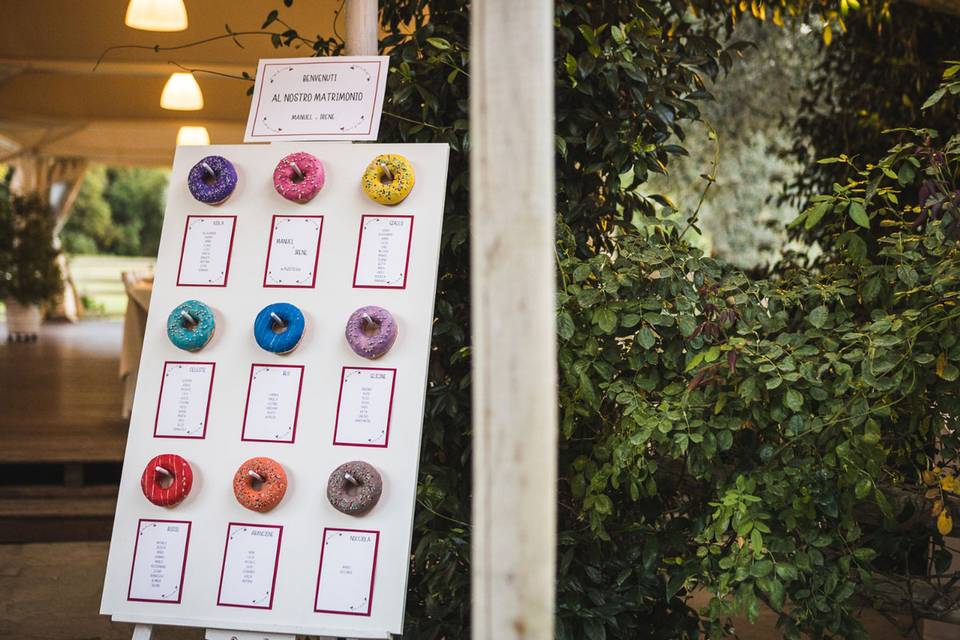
(29,273)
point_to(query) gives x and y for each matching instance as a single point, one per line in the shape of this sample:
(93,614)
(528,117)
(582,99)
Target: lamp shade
(182,93)
(156,15)
(192,136)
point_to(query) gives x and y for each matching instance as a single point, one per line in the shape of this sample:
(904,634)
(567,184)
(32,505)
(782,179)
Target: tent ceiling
(52,101)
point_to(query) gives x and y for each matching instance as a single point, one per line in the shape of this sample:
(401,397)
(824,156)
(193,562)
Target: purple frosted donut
(354,488)
(212,180)
(371,331)
(299,177)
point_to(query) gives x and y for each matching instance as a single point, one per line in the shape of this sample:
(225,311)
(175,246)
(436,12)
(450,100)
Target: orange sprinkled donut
(259,484)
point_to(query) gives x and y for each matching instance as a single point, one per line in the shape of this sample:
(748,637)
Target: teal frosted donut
(191,325)
(279,327)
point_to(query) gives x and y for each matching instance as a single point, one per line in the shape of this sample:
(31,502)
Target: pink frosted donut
(371,331)
(299,177)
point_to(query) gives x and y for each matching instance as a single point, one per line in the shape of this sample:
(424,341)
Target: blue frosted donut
(212,180)
(279,327)
(191,325)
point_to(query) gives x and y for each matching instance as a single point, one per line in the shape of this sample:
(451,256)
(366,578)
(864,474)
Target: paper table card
(205,253)
(184,403)
(348,563)
(383,252)
(339,98)
(273,403)
(159,560)
(364,407)
(249,573)
(293,251)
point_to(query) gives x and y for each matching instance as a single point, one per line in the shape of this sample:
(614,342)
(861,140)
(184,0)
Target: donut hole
(297,178)
(209,179)
(165,482)
(385,177)
(256,484)
(350,489)
(278,327)
(370,328)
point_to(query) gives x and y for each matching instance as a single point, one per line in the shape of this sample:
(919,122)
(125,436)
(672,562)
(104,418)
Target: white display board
(302,568)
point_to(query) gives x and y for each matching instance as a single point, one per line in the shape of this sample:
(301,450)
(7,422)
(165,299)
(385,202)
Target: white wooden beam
(363,27)
(514,339)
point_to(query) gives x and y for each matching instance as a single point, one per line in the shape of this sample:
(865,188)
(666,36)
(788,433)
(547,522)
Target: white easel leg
(142,632)
(226,634)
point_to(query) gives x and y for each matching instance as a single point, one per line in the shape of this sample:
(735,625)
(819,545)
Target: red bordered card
(183,405)
(348,568)
(206,251)
(159,561)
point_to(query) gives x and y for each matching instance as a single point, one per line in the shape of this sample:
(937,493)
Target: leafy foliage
(875,76)
(29,272)
(773,436)
(118,211)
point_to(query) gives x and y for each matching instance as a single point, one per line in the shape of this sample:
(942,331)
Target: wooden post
(363,27)
(514,339)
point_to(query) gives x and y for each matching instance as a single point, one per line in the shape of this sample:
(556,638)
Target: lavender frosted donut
(354,488)
(212,180)
(299,177)
(371,331)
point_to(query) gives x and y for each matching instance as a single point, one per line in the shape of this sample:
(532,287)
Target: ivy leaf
(818,317)
(815,214)
(595,630)
(439,43)
(944,523)
(859,215)
(630,320)
(794,400)
(934,98)
(761,568)
(777,594)
(271,18)
(946,370)
(605,319)
(565,326)
(646,338)
(864,554)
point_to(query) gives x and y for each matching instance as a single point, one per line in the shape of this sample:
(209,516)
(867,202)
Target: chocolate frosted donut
(371,331)
(166,480)
(354,488)
(212,180)
(260,484)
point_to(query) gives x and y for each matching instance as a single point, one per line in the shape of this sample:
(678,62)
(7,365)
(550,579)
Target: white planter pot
(23,321)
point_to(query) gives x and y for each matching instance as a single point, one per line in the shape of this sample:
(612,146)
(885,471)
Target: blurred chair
(139,286)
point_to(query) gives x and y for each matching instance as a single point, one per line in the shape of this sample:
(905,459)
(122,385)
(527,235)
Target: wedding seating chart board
(303,567)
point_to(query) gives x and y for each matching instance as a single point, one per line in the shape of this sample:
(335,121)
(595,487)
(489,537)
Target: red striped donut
(260,484)
(166,480)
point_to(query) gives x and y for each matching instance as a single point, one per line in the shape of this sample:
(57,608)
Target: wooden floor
(60,398)
(52,592)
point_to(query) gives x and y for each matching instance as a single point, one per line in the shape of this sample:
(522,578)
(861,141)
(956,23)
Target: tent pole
(513,319)
(363,27)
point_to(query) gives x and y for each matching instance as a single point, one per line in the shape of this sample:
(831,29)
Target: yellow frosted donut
(388,178)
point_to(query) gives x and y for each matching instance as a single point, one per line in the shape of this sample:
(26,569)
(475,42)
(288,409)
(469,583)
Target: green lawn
(98,281)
